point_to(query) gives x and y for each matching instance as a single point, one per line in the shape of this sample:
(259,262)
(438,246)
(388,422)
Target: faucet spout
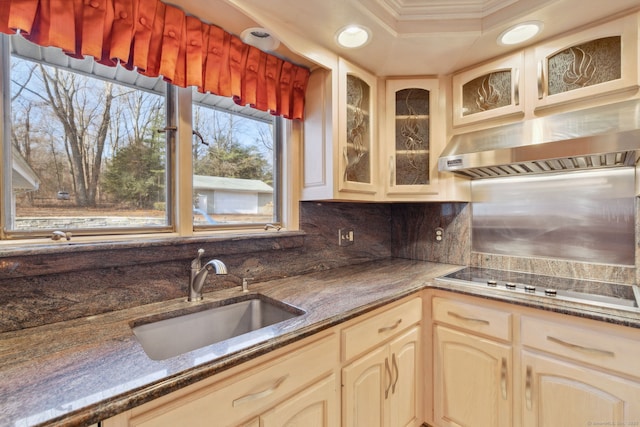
(199,274)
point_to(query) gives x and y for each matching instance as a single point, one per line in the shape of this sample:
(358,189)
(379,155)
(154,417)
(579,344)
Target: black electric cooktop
(584,291)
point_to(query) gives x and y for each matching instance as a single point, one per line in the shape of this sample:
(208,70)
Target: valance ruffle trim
(158,39)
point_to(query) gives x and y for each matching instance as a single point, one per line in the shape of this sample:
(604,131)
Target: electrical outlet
(439,234)
(345,236)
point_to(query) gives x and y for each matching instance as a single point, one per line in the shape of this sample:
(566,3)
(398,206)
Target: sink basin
(185,330)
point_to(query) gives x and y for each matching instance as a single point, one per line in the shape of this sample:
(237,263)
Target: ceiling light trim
(260,38)
(353,36)
(520,33)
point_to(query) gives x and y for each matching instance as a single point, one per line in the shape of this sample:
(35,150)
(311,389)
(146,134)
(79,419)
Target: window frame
(179,213)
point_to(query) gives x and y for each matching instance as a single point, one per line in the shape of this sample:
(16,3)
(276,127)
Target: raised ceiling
(410,37)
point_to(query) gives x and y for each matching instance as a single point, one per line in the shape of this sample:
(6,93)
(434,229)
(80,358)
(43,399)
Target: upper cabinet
(359,149)
(340,144)
(413,137)
(357,91)
(489,91)
(594,66)
(596,62)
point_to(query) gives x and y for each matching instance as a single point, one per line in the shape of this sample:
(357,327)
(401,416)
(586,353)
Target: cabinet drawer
(369,333)
(583,343)
(486,321)
(250,392)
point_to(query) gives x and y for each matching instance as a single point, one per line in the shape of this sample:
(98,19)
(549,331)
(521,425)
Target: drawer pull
(260,394)
(390,328)
(527,388)
(397,373)
(581,348)
(389,375)
(503,378)
(467,319)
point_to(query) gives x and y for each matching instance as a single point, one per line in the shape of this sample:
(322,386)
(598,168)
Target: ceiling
(410,37)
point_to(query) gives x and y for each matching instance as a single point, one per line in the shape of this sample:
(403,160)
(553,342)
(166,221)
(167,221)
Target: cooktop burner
(584,291)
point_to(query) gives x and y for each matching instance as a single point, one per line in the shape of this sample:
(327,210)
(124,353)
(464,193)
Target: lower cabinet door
(556,393)
(365,382)
(315,406)
(404,397)
(473,380)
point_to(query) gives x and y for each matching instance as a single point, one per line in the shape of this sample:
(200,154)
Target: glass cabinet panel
(590,67)
(412,137)
(586,64)
(484,93)
(489,91)
(358,149)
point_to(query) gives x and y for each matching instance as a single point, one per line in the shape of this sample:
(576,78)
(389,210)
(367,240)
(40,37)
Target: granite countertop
(81,371)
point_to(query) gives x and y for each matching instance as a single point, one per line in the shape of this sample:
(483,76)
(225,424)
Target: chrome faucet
(199,274)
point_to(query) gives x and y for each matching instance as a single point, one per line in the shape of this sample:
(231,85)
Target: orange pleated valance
(158,39)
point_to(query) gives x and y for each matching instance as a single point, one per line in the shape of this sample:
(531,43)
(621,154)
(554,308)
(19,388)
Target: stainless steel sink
(182,331)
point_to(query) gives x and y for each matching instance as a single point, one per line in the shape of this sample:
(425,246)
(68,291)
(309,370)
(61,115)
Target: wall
(65,281)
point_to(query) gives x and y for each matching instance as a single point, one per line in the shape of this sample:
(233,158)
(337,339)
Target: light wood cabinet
(585,68)
(357,129)
(473,380)
(561,393)
(356,148)
(592,63)
(382,388)
(316,406)
(489,91)
(244,395)
(473,371)
(497,364)
(300,384)
(381,382)
(413,138)
(340,153)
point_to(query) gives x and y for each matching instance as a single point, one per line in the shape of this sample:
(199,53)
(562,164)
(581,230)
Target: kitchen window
(91,150)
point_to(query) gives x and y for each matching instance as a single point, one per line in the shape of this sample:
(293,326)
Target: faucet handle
(196,263)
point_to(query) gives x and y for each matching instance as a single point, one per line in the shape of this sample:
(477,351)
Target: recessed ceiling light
(520,33)
(353,36)
(260,38)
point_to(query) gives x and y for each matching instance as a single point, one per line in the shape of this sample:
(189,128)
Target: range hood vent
(593,138)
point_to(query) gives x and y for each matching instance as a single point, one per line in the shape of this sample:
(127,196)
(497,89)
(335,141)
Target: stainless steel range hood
(600,137)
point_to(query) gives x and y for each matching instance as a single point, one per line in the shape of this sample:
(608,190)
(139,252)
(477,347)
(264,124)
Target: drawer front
(583,343)
(482,320)
(249,393)
(371,332)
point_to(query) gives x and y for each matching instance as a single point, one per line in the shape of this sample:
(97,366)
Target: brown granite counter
(81,371)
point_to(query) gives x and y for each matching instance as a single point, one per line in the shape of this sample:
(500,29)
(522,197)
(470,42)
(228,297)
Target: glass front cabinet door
(589,64)
(489,91)
(413,138)
(357,131)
